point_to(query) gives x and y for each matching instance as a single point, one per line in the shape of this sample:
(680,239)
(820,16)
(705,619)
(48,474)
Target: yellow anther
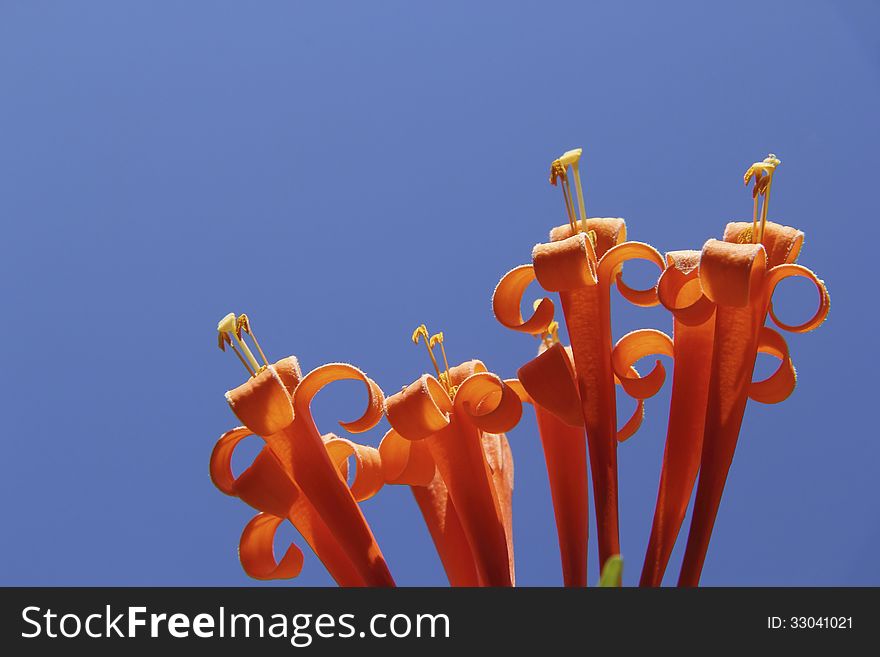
(762,172)
(572,157)
(550,337)
(229,333)
(558,172)
(227,324)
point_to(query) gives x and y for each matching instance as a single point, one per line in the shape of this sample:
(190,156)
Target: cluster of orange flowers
(447,439)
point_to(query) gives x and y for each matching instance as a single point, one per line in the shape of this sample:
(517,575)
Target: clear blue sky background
(343,172)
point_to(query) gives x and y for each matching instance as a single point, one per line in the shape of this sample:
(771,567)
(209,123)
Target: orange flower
(300,475)
(720,300)
(461,415)
(581,262)
(740,279)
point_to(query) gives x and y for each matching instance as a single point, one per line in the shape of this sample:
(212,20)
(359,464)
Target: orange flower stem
(458,452)
(565,451)
(684,442)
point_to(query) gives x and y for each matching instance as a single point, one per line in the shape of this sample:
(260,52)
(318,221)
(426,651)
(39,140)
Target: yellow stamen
(436,339)
(229,326)
(762,172)
(223,340)
(422,333)
(244,324)
(558,172)
(430,342)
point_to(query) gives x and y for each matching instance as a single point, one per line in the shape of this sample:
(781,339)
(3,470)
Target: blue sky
(344,172)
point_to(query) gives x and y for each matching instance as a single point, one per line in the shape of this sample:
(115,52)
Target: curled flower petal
(679,289)
(507,301)
(549,380)
(565,265)
(264,485)
(420,410)
(613,260)
(633,347)
(220,466)
(781,243)
(368,478)
(779,385)
(458,373)
(262,403)
(257,552)
(608,233)
(780,273)
(289,372)
(520,390)
(633,423)
(321,376)
(406,461)
(732,273)
(490,403)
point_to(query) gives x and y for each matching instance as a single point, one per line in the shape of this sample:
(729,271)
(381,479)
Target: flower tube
(550,378)
(549,383)
(275,404)
(455,413)
(409,462)
(691,349)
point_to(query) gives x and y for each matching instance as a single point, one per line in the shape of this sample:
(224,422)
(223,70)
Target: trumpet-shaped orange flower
(740,279)
(581,262)
(720,300)
(300,474)
(739,275)
(460,415)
